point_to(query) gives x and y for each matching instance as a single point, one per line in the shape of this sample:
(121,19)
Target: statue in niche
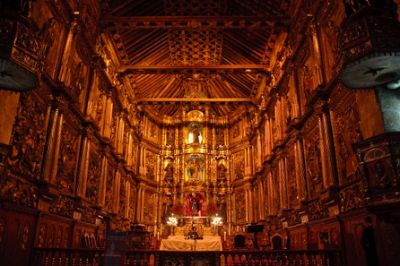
(169,172)
(221,175)
(195,134)
(239,169)
(170,137)
(194,204)
(194,170)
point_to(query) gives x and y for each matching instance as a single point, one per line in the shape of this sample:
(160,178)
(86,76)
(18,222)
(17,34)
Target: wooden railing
(67,257)
(96,257)
(236,258)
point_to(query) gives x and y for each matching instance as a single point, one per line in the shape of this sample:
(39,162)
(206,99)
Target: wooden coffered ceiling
(180,51)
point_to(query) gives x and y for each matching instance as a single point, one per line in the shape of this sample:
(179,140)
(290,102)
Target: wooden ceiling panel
(197,45)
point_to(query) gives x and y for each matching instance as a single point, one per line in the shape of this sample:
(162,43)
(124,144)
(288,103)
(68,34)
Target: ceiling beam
(197,22)
(188,100)
(164,69)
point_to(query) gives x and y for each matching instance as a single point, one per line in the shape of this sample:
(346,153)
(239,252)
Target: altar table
(179,243)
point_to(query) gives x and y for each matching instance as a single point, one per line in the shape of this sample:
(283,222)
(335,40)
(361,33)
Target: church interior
(189,132)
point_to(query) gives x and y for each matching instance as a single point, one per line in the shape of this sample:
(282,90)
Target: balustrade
(67,257)
(94,257)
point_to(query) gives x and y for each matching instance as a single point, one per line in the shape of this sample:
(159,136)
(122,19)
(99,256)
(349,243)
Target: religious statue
(194,205)
(194,170)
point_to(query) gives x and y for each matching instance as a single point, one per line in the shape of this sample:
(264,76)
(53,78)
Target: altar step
(86,257)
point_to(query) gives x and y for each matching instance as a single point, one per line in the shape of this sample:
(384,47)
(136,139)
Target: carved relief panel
(220,136)
(238,165)
(313,159)
(29,136)
(67,161)
(235,132)
(151,165)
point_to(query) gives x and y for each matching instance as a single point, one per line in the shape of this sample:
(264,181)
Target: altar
(179,243)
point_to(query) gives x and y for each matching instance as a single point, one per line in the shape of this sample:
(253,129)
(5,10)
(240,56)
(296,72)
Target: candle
(224,235)
(158,235)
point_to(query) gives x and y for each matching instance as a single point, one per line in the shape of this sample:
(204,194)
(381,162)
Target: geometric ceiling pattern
(175,50)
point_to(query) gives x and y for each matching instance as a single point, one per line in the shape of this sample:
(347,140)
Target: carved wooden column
(65,68)
(53,145)
(329,171)
(139,203)
(127,198)
(103,181)
(116,192)
(262,198)
(282,183)
(108,117)
(269,192)
(83,167)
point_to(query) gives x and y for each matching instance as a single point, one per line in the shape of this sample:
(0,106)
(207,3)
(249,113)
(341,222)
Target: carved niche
(93,175)
(221,174)
(220,138)
(170,136)
(235,131)
(150,164)
(69,145)
(238,165)
(240,206)
(28,139)
(313,158)
(149,208)
(132,204)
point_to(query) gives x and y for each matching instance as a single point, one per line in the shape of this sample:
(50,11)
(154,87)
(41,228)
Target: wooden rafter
(204,100)
(163,69)
(190,22)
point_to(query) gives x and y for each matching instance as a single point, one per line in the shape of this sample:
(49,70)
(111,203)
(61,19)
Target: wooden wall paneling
(17,232)
(298,236)
(325,234)
(84,235)
(53,232)
(353,227)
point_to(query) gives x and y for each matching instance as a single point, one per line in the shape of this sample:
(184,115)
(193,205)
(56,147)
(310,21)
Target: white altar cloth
(179,243)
